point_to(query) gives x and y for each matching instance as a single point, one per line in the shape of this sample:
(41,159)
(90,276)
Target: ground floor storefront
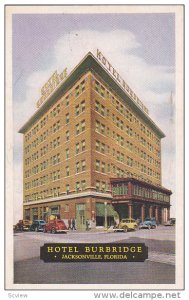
(97,209)
(129,198)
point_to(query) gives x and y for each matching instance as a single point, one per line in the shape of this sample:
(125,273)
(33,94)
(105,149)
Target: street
(158,268)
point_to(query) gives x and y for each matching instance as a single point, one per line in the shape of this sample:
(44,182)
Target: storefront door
(80,216)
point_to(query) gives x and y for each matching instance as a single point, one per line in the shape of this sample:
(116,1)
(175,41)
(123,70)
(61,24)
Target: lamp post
(105,215)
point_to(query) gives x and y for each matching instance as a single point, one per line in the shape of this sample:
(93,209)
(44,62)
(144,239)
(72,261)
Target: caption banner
(122,252)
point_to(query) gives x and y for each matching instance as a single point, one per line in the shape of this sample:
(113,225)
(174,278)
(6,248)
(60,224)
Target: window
(77,129)
(77,91)
(103,148)
(98,186)
(83,185)
(77,187)
(67,100)
(97,146)
(67,188)
(67,153)
(67,118)
(103,186)
(97,106)
(102,110)
(102,128)
(67,136)
(67,171)
(83,125)
(83,145)
(77,148)
(97,165)
(77,110)
(82,85)
(77,167)
(108,131)
(83,106)
(103,167)
(83,165)
(98,126)
(122,157)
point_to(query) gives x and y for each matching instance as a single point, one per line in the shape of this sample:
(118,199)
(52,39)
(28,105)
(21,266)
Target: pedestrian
(73,224)
(87,224)
(69,224)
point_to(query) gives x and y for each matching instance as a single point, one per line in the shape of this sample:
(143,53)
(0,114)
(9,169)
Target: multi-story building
(91,147)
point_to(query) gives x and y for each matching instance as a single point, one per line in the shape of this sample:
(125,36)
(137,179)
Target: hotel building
(92,148)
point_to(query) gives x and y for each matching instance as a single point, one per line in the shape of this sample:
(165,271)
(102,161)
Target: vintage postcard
(94,147)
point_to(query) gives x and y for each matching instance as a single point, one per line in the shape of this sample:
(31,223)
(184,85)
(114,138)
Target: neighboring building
(91,144)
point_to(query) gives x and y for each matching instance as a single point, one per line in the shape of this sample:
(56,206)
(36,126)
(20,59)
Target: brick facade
(84,134)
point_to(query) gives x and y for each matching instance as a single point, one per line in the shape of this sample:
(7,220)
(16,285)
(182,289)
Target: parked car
(170,222)
(37,225)
(22,225)
(148,223)
(55,226)
(125,225)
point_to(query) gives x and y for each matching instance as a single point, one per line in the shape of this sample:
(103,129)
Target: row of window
(43,180)
(54,192)
(151,194)
(102,129)
(120,189)
(103,168)
(37,127)
(122,109)
(79,148)
(101,186)
(55,111)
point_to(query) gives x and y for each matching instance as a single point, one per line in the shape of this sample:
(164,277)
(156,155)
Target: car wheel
(53,230)
(125,228)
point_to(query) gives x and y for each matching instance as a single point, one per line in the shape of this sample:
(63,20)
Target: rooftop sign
(120,80)
(50,86)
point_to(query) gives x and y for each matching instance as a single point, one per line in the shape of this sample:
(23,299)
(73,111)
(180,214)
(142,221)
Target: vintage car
(55,226)
(148,223)
(170,222)
(22,225)
(126,225)
(37,225)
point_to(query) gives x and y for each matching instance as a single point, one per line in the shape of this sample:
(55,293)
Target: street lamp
(105,215)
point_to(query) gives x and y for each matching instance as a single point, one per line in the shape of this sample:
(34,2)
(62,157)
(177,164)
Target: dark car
(37,225)
(22,225)
(55,226)
(148,223)
(170,222)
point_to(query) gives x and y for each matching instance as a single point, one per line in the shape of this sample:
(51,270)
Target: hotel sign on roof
(50,86)
(120,80)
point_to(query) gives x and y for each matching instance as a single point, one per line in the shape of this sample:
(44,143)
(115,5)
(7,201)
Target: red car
(55,226)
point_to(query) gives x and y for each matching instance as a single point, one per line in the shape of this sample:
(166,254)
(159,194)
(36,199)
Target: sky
(140,46)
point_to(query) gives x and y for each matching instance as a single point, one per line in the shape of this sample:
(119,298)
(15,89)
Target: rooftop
(90,63)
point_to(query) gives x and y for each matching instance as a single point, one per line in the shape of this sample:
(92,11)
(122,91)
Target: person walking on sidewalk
(69,224)
(73,224)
